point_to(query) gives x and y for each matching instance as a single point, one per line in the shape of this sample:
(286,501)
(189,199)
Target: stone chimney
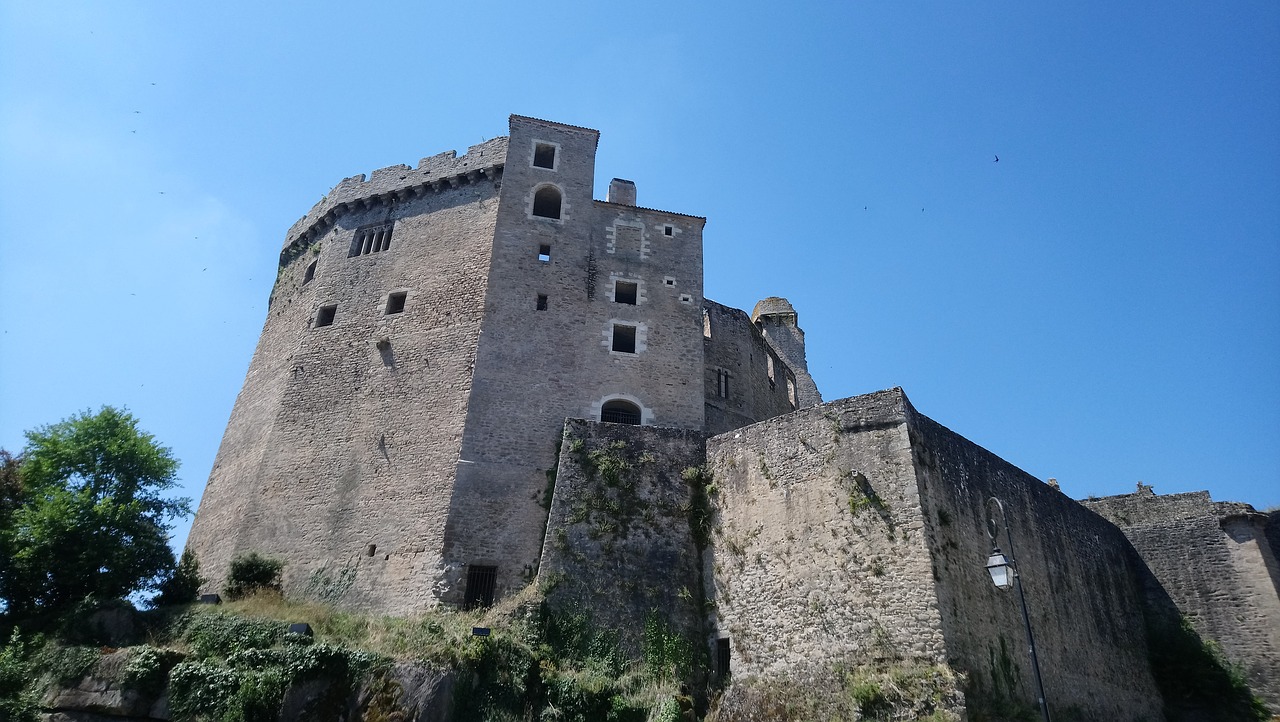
(622,192)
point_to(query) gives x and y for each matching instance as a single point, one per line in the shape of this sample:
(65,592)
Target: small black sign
(479,631)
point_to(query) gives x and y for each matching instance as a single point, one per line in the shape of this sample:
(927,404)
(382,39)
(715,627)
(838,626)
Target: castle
(451,352)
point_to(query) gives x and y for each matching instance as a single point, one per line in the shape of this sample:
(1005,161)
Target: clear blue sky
(1101,306)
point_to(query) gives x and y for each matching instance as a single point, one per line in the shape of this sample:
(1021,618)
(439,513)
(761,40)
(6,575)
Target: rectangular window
(310,274)
(722,384)
(395,302)
(371,239)
(772,382)
(326,314)
(544,156)
(722,657)
(542,302)
(480,586)
(668,230)
(791,392)
(544,253)
(624,338)
(625,292)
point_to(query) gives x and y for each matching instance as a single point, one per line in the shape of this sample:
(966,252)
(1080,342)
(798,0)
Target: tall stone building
(430,331)
(452,351)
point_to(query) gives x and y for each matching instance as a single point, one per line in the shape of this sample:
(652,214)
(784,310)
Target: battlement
(434,174)
(1145,508)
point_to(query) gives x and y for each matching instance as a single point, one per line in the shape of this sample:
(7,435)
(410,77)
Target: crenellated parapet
(482,163)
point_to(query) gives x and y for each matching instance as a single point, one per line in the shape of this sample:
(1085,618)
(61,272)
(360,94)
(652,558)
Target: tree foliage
(183,584)
(91,518)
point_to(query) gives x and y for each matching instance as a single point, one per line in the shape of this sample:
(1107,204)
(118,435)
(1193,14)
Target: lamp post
(1004,571)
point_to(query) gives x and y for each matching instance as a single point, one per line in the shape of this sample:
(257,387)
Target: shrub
(183,584)
(148,668)
(252,573)
(17,701)
(222,634)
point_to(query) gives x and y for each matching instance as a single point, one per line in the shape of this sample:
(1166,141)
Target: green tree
(92,519)
(183,584)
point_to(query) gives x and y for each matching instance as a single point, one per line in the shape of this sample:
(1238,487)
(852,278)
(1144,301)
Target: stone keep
(430,331)
(445,342)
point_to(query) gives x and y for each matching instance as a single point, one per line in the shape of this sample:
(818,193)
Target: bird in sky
(997,160)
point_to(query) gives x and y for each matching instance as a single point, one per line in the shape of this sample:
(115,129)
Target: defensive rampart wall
(852,534)
(1217,565)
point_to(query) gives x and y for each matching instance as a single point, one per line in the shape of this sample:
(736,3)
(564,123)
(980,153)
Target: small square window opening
(542,302)
(669,281)
(395,302)
(625,292)
(310,274)
(668,230)
(326,314)
(544,253)
(624,338)
(544,156)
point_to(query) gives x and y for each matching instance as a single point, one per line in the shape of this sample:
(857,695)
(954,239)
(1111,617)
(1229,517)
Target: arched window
(620,412)
(546,202)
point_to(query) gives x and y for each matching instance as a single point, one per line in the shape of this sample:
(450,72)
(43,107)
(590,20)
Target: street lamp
(1004,572)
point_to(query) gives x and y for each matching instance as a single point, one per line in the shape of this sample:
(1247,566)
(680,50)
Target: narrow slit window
(542,302)
(791,392)
(772,381)
(544,156)
(544,253)
(722,384)
(625,292)
(481,582)
(546,202)
(326,314)
(310,274)
(624,338)
(395,302)
(722,657)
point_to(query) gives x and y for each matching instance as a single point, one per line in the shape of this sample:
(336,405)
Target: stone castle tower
(450,350)
(430,331)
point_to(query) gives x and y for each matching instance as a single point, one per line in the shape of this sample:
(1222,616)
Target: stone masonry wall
(820,559)
(535,367)
(1215,563)
(1082,591)
(339,456)
(734,345)
(618,543)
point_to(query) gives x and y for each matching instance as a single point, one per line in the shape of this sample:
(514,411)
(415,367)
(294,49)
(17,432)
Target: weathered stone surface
(409,693)
(1215,562)
(619,542)
(102,694)
(853,533)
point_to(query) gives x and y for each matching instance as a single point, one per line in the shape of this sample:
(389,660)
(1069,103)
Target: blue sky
(1101,306)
